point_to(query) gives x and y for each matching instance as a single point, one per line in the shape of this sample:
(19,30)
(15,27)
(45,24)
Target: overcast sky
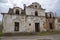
(49,5)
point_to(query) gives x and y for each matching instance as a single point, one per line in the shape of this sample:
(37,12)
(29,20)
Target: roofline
(36,8)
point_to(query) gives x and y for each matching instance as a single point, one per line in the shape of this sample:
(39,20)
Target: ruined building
(32,18)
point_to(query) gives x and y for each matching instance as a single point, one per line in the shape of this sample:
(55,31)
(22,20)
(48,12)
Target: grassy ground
(30,34)
(48,33)
(1,34)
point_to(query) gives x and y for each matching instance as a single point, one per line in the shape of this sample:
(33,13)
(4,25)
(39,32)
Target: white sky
(49,5)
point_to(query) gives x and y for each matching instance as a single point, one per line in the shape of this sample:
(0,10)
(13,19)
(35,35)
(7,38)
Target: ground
(48,37)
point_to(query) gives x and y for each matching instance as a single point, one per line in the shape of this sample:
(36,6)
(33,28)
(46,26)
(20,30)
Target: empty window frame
(36,13)
(16,26)
(17,12)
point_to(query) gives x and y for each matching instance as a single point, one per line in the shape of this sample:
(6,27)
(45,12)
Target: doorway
(37,28)
(16,26)
(50,24)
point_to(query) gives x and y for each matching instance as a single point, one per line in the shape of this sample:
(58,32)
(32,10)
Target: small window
(46,15)
(35,6)
(50,15)
(36,13)
(29,24)
(17,12)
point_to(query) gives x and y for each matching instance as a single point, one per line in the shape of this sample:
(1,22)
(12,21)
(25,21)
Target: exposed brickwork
(49,20)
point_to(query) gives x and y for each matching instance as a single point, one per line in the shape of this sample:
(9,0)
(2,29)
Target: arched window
(17,12)
(36,13)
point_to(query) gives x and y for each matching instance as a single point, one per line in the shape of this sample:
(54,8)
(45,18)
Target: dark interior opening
(35,6)
(16,26)
(17,12)
(50,15)
(50,24)
(37,28)
(46,15)
(36,13)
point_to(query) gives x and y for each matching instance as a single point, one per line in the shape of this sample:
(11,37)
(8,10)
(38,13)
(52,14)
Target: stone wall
(24,21)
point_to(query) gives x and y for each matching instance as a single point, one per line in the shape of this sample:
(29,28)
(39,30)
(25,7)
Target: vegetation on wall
(59,19)
(0,26)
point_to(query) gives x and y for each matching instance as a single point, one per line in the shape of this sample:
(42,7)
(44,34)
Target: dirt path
(49,37)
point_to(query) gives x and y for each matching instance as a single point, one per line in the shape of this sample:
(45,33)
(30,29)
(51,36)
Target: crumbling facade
(32,18)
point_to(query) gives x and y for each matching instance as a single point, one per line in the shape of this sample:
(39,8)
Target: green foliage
(30,34)
(48,33)
(58,19)
(0,26)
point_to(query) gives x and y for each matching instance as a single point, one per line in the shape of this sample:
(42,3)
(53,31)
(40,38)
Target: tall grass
(30,34)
